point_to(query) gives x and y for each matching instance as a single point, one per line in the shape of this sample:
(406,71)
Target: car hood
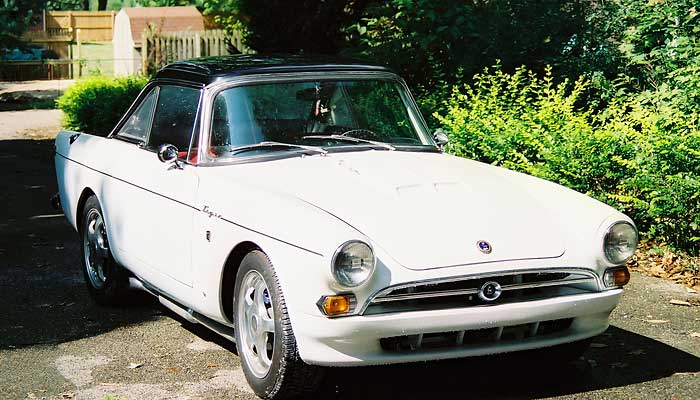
(425,210)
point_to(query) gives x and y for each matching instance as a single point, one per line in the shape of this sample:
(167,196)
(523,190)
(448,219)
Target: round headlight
(620,242)
(353,263)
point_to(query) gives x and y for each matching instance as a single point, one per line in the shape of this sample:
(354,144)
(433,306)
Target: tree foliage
(170,3)
(282,26)
(16,16)
(438,38)
(662,49)
(66,5)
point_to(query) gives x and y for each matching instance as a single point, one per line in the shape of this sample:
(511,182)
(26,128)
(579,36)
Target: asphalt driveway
(54,343)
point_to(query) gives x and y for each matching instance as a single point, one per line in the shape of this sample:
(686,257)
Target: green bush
(95,105)
(641,159)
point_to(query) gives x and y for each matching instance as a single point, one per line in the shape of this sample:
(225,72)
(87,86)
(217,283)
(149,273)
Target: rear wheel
(105,279)
(264,336)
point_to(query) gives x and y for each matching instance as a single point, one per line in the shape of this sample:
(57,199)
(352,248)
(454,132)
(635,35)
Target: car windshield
(298,116)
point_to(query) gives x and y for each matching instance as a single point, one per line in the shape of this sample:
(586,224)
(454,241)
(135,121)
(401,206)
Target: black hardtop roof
(207,70)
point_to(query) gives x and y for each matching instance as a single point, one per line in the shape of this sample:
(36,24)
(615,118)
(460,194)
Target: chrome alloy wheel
(96,248)
(256,323)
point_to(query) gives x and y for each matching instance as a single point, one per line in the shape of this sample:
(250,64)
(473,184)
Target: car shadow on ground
(619,358)
(42,294)
(35,100)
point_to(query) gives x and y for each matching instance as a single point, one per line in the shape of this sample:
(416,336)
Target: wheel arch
(87,192)
(228,275)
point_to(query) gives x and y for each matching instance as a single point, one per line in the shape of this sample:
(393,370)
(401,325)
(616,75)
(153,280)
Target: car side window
(139,123)
(174,121)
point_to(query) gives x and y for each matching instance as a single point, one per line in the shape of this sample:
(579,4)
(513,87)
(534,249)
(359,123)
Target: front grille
(428,341)
(463,291)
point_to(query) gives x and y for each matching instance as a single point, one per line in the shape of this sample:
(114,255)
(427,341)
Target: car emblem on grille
(484,246)
(490,291)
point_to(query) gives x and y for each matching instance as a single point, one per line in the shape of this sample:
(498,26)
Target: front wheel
(264,336)
(105,279)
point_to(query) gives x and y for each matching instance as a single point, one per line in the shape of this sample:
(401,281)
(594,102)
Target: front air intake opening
(473,337)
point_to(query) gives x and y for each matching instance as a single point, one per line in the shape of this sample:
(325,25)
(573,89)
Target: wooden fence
(159,49)
(95,26)
(59,29)
(36,70)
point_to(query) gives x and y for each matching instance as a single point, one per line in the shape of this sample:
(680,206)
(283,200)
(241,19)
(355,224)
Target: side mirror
(167,153)
(440,138)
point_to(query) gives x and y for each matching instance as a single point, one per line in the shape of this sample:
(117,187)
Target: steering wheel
(359,133)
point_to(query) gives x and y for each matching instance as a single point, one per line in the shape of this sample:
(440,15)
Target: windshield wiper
(272,145)
(351,139)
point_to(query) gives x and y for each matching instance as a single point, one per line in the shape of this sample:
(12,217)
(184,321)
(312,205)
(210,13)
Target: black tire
(288,376)
(112,289)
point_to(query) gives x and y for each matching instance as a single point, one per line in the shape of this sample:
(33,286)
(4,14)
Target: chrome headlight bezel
(609,250)
(342,278)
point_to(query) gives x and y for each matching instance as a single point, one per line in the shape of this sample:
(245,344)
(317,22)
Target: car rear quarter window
(175,118)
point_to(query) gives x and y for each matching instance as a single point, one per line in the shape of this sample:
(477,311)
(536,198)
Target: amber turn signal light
(337,305)
(616,277)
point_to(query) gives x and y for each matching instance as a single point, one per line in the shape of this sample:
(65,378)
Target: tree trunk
(86,5)
(102,5)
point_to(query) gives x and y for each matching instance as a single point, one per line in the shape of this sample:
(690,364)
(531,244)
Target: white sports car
(301,208)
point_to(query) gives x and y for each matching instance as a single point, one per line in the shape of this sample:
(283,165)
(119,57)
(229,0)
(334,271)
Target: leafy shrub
(640,159)
(95,105)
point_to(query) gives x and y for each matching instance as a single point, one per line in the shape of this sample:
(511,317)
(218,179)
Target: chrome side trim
(183,313)
(188,314)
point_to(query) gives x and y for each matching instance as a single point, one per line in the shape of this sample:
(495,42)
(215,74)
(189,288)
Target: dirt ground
(29,124)
(56,344)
